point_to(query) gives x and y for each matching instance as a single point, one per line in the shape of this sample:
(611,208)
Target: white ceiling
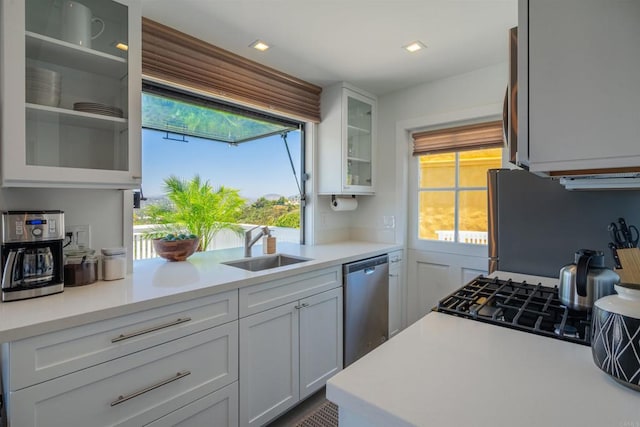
(357,41)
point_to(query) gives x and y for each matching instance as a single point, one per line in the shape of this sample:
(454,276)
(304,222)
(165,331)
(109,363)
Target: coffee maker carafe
(32,263)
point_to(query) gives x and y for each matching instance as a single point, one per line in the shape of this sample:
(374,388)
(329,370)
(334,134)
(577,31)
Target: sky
(256,168)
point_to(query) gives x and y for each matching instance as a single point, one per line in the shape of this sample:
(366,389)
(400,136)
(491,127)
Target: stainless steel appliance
(586,280)
(32,263)
(366,306)
(535,225)
(529,307)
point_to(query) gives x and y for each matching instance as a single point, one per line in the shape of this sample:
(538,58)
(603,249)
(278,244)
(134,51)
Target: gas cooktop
(523,306)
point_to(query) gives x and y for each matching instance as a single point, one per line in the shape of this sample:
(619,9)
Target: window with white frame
(452,188)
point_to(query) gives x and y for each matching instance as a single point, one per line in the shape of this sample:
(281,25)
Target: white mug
(76,24)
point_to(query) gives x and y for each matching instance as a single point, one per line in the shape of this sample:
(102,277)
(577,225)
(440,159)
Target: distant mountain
(272,196)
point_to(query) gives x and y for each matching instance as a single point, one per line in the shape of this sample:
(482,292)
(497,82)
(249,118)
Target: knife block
(630,262)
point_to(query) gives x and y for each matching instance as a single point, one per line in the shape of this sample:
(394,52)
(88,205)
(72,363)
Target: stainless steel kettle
(586,280)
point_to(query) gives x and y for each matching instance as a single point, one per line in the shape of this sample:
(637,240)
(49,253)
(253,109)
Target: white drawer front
(257,298)
(219,409)
(133,390)
(44,357)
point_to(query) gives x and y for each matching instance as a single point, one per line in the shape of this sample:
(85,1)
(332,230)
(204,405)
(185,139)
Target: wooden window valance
(459,138)
(176,57)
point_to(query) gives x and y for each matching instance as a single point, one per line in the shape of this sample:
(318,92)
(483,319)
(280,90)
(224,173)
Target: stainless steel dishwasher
(366,306)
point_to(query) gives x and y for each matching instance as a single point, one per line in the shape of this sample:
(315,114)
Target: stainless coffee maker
(32,262)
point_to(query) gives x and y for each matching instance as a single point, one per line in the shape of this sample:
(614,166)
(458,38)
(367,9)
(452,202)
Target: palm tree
(198,208)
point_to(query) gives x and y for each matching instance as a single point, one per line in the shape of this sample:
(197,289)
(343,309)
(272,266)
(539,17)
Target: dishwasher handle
(365,264)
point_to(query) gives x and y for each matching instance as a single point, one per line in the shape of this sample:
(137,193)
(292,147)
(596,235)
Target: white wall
(476,89)
(101,209)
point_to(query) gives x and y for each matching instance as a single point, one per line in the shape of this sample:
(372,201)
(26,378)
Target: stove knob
(37,232)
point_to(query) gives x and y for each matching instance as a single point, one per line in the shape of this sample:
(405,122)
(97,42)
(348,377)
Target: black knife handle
(614,253)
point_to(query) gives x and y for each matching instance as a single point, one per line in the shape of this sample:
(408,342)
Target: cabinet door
(347,141)
(78,121)
(396,287)
(320,340)
(269,379)
(584,85)
(219,409)
(358,136)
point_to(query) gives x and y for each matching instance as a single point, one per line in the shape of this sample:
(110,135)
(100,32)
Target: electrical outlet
(80,235)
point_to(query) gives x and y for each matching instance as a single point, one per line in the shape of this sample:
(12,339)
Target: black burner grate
(519,305)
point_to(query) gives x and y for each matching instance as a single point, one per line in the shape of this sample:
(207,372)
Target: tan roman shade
(460,138)
(175,57)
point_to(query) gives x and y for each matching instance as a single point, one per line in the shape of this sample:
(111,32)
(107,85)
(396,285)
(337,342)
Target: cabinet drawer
(41,358)
(257,298)
(133,390)
(219,409)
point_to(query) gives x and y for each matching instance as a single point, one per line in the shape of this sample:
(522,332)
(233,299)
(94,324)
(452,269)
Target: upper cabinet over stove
(579,94)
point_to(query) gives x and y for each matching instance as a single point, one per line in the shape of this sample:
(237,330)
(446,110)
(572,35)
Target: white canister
(114,263)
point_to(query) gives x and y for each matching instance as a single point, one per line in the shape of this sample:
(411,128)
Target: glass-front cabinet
(347,141)
(71,93)
(359,132)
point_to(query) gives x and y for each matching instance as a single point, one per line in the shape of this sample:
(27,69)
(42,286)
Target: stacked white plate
(95,108)
(43,86)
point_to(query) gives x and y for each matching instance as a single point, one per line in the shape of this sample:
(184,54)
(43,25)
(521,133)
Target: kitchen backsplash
(101,209)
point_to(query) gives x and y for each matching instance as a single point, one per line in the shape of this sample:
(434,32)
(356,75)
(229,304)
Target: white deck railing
(225,239)
(474,237)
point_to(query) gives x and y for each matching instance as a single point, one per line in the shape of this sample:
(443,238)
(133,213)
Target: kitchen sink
(266,262)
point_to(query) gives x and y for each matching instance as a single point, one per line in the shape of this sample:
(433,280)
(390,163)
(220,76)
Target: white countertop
(445,370)
(156,282)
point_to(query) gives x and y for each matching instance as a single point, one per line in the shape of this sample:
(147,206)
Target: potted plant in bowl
(176,247)
(195,208)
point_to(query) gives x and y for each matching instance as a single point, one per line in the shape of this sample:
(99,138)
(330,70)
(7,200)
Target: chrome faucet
(249,242)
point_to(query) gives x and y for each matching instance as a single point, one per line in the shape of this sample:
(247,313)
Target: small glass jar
(80,268)
(114,263)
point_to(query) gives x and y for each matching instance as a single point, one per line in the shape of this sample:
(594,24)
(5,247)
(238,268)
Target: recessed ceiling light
(414,46)
(260,45)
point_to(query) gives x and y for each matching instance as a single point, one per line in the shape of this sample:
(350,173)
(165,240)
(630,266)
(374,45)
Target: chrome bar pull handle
(123,337)
(176,377)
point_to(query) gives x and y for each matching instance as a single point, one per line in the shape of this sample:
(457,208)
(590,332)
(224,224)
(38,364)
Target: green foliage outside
(196,207)
(289,220)
(271,212)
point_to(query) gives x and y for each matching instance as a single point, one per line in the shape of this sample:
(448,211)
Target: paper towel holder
(335,203)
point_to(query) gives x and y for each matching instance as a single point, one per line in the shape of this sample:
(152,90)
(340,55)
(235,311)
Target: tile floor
(300,411)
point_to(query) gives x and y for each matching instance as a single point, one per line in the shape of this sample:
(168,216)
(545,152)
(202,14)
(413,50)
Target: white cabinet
(71,103)
(396,292)
(128,371)
(289,351)
(583,95)
(320,340)
(269,362)
(347,141)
